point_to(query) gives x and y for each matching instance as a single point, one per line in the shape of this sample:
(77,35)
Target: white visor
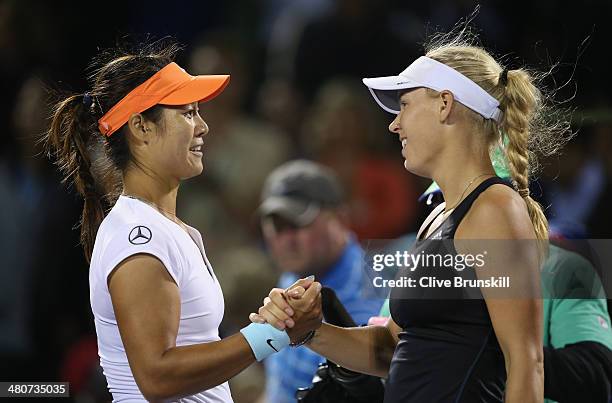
(429,73)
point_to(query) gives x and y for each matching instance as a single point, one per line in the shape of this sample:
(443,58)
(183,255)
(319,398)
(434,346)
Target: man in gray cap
(306,230)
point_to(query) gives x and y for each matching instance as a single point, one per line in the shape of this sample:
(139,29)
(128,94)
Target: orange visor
(170,86)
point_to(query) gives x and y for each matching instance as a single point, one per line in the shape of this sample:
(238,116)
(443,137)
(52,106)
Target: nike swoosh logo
(269,341)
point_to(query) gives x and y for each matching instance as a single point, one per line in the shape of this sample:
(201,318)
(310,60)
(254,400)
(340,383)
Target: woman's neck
(460,173)
(151,188)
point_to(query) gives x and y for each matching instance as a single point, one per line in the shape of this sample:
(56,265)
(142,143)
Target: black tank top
(447,351)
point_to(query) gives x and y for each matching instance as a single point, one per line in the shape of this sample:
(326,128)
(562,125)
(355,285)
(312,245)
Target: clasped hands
(296,309)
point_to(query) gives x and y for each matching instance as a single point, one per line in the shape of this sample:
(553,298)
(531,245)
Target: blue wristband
(264,339)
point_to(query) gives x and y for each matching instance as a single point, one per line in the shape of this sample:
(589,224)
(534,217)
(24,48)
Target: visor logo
(140,235)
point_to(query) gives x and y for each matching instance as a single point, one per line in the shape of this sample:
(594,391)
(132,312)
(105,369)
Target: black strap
(461,210)
(466,203)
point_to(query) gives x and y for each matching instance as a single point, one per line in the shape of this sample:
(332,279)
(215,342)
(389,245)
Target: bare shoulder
(498,213)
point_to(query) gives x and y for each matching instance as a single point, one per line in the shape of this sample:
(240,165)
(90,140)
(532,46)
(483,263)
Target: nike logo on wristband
(269,341)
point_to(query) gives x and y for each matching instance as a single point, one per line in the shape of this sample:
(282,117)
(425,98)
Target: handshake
(296,310)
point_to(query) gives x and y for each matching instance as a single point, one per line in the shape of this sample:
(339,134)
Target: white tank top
(132,227)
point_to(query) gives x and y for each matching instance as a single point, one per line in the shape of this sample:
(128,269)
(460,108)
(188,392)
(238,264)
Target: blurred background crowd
(295,92)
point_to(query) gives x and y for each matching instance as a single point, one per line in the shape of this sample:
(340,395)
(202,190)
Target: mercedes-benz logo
(140,235)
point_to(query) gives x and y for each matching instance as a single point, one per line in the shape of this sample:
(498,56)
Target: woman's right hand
(296,309)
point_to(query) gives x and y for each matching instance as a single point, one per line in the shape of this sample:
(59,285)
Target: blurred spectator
(306,232)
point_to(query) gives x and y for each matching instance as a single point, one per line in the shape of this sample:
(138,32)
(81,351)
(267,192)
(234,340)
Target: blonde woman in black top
(452,107)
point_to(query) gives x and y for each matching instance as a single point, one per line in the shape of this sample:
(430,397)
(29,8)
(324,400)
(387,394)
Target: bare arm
(366,349)
(147,307)
(524,357)
(517,315)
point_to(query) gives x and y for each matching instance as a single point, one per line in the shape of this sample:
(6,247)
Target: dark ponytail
(68,140)
(88,160)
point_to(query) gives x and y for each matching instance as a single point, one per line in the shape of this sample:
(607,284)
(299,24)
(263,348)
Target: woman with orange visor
(126,145)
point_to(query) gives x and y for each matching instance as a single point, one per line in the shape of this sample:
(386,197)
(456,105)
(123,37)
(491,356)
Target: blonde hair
(529,126)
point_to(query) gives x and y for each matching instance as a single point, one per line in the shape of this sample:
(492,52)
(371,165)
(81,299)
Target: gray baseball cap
(298,190)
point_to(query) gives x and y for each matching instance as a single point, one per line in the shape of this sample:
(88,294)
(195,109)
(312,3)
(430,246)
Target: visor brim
(386,91)
(198,89)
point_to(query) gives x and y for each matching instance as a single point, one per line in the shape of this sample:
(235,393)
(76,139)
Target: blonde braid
(533,121)
(520,101)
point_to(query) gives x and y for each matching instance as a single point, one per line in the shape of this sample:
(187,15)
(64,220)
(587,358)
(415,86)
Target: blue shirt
(294,368)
